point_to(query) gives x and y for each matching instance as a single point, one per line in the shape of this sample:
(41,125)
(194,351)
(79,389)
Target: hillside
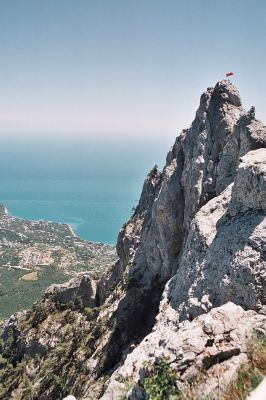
(35,254)
(182,311)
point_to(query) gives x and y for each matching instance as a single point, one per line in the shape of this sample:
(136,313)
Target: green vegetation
(51,372)
(16,294)
(160,382)
(7,363)
(251,374)
(48,248)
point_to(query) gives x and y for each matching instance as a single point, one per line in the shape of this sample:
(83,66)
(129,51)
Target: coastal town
(36,254)
(32,245)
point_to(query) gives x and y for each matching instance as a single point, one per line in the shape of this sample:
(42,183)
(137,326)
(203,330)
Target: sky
(100,68)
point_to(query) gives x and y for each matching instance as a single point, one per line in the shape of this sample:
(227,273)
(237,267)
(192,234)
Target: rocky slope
(195,242)
(206,352)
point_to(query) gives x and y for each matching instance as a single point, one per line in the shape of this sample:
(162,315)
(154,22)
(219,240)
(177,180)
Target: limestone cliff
(195,242)
(202,163)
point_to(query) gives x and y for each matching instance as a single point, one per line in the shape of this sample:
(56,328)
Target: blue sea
(90,183)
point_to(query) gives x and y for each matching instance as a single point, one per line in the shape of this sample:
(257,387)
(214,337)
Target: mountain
(179,311)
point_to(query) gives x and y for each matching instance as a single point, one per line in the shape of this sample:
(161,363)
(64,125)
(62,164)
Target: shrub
(88,311)
(160,382)
(39,314)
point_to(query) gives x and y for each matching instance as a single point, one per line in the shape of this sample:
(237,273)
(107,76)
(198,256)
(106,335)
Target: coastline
(4,212)
(72,231)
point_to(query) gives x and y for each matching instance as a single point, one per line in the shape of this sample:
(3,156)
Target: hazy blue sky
(126,67)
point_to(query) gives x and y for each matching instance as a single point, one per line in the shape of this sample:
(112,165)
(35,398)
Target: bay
(90,183)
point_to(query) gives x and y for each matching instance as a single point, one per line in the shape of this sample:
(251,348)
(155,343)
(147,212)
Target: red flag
(229,74)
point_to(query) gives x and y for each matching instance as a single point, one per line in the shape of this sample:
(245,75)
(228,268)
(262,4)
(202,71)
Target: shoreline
(4,212)
(72,231)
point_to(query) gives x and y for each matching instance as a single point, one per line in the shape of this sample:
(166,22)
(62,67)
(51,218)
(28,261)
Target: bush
(160,382)
(88,311)
(39,314)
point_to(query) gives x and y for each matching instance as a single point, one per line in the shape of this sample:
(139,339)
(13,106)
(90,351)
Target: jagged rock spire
(228,92)
(195,242)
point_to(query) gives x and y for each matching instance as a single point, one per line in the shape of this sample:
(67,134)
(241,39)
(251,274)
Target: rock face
(207,222)
(201,165)
(224,255)
(189,284)
(249,192)
(215,344)
(83,287)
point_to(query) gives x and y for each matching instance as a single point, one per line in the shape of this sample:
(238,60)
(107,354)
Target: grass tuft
(250,375)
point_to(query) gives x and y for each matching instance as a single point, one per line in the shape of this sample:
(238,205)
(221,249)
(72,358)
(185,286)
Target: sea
(91,183)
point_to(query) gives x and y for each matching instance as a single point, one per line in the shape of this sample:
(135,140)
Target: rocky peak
(226,92)
(201,164)
(207,228)
(195,241)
